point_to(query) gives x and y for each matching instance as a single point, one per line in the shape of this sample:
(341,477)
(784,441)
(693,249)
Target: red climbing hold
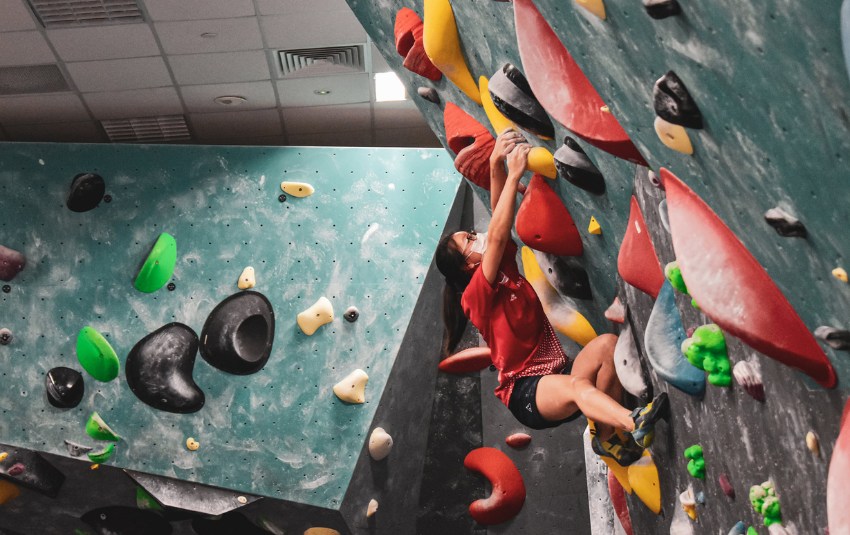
(469,360)
(727,487)
(838,484)
(618,499)
(544,223)
(408,43)
(732,288)
(563,90)
(472,143)
(638,264)
(518,441)
(508,495)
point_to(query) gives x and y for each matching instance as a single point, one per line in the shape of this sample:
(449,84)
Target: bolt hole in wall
(224,213)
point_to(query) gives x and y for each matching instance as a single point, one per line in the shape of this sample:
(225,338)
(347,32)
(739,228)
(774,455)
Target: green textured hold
(96,355)
(706,350)
(146,501)
(752,531)
(764,501)
(103,456)
(159,266)
(98,430)
(696,465)
(674,275)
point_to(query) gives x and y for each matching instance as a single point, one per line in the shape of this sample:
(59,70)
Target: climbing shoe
(646,417)
(622,449)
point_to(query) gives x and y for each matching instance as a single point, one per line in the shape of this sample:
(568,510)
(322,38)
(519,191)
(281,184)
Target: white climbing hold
(352,388)
(297,189)
(320,313)
(748,375)
(380,444)
(663,216)
(627,364)
(812,443)
(246,279)
(373,506)
(616,312)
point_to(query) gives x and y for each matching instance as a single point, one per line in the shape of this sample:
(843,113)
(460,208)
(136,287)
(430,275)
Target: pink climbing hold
(469,360)
(838,482)
(618,500)
(16,469)
(508,495)
(410,45)
(637,262)
(11,263)
(471,142)
(745,302)
(690,331)
(518,441)
(544,223)
(727,487)
(616,312)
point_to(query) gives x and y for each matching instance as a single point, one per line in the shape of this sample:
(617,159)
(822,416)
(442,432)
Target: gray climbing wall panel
(365,238)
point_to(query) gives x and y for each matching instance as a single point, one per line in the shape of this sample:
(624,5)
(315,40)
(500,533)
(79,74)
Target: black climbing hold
(5,337)
(674,104)
(229,524)
(429,93)
(566,275)
(122,520)
(11,263)
(107,198)
(351,314)
(834,338)
(76,450)
(661,9)
(6,288)
(171,286)
(281,197)
(492,367)
(574,165)
(40,475)
(238,334)
(785,224)
(159,369)
(513,97)
(86,192)
(65,387)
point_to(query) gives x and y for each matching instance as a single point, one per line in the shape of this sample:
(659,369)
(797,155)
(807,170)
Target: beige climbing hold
(3,456)
(317,315)
(688,503)
(351,389)
(596,7)
(297,189)
(373,506)
(192,444)
(813,443)
(674,136)
(321,531)
(246,279)
(242,499)
(839,274)
(380,443)
(605,109)
(594,227)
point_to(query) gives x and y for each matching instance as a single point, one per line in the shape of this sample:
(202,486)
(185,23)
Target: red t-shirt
(508,315)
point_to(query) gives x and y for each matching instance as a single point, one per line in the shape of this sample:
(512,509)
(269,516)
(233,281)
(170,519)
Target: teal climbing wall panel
(771,82)
(365,238)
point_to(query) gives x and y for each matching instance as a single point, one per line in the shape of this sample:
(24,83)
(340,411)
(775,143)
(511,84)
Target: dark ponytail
(450,262)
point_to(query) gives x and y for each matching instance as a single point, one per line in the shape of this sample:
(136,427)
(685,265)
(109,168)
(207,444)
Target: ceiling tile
(379,64)
(231,35)
(120,74)
(315,119)
(104,42)
(359,138)
(402,114)
(407,137)
(16,16)
(196,69)
(134,103)
(78,132)
(308,30)
(24,48)
(201,98)
(195,9)
(286,7)
(345,89)
(236,124)
(37,109)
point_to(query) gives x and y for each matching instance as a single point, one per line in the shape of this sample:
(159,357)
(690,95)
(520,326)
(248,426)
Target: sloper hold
(663,342)
(518,440)
(469,360)
(380,444)
(96,356)
(159,370)
(673,136)
(85,193)
(297,189)
(785,224)
(594,7)
(11,263)
(706,350)
(637,261)
(190,495)
(748,376)
(838,482)
(616,312)
(834,338)
(238,335)
(574,165)
(508,495)
(565,274)
(65,387)
(472,144)
(562,88)
(98,430)
(442,45)
(38,475)
(514,98)
(76,450)
(643,477)
(674,103)
(627,364)
(661,9)
(409,44)
(430,94)
(122,520)
(618,500)
(321,313)
(159,265)
(748,305)
(352,388)
(544,223)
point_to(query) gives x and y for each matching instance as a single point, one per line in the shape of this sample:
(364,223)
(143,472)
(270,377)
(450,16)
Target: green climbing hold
(97,429)
(696,465)
(159,265)
(674,275)
(752,531)
(764,501)
(146,501)
(96,355)
(706,350)
(103,456)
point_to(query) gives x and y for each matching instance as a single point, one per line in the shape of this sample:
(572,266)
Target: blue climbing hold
(737,529)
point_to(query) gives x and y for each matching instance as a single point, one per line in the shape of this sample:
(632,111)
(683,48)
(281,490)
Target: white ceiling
(164,66)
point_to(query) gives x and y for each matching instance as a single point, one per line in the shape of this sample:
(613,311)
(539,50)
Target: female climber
(537,382)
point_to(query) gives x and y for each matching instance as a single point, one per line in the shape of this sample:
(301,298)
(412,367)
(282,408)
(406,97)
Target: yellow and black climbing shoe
(646,417)
(624,452)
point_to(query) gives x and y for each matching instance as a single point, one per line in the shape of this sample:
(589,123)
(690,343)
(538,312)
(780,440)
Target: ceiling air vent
(32,79)
(58,13)
(147,129)
(322,61)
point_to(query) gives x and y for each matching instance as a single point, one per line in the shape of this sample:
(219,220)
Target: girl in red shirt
(537,382)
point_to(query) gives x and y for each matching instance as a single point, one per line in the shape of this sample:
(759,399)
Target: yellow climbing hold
(352,388)
(192,444)
(674,136)
(497,120)
(242,499)
(320,313)
(596,7)
(643,476)
(95,466)
(373,506)
(297,189)
(540,160)
(246,279)
(594,227)
(3,456)
(812,443)
(442,45)
(620,472)
(321,531)
(8,492)
(839,274)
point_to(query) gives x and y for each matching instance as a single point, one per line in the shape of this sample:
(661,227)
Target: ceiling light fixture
(230,100)
(322,92)
(388,87)
(209,35)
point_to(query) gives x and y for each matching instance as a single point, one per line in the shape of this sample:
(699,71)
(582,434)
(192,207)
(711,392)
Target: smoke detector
(231,101)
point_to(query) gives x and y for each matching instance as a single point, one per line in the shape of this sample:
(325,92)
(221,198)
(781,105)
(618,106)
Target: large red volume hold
(637,262)
(732,288)
(472,143)
(408,43)
(618,499)
(838,483)
(508,495)
(544,223)
(563,90)
(469,360)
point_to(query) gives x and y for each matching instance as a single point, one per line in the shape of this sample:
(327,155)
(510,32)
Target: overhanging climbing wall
(364,238)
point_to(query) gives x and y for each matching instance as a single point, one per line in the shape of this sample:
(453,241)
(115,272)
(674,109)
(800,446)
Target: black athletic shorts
(523,403)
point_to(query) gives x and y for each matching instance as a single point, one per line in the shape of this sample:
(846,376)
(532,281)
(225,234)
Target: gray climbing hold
(5,337)
(577,169)
(662,214)
(429,93)
(674,104)
(785,224)
(513,97)
(661,9)
(190,495)
(11,263)
(86,192)
(76,450)
(351,314)
(834,338)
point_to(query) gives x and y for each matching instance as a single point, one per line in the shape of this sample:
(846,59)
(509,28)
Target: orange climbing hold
(471,142)
(637,263)
(544,223)
(469,360)
(508,495)
(409,44)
